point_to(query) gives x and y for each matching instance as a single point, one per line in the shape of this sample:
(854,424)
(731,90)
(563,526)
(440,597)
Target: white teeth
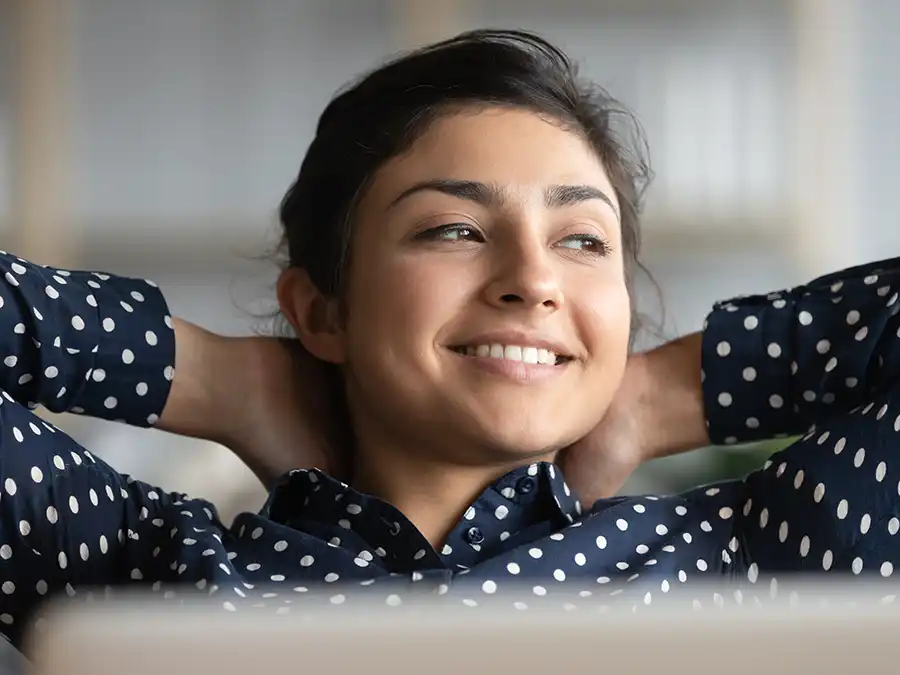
(512,353)
(530,355)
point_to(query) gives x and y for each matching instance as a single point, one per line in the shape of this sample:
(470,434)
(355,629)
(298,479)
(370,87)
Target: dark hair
(383,113)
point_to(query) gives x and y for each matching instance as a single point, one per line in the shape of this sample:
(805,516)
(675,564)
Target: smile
(521,364)
(518,353)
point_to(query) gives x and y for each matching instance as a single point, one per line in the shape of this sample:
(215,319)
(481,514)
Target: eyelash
(601,246)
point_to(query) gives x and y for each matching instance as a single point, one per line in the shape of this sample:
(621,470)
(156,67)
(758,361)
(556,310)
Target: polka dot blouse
(822,359)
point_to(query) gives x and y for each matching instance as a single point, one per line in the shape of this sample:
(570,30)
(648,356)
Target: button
(475,535)
(525,485)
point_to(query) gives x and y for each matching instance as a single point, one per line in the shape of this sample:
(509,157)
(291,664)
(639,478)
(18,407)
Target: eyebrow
(485,194)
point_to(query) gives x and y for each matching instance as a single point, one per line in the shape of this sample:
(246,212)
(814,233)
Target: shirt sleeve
(776,364)
(69,521)
(84,342)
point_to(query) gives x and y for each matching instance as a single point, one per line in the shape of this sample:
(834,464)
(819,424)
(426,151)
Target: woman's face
(487,316)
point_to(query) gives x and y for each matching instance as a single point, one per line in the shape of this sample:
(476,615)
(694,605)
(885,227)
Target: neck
(429,491)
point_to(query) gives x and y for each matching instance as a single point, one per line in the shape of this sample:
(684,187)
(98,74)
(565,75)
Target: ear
(314,317)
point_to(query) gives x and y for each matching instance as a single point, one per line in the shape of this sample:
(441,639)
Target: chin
(523,444)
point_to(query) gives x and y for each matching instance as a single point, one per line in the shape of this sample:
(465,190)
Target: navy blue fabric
(823,356)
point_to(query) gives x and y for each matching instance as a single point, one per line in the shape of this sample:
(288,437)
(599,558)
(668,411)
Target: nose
(526,279)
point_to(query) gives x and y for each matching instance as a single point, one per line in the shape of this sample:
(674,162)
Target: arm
(62,346)
(76,340)
(777,364)
(68,520)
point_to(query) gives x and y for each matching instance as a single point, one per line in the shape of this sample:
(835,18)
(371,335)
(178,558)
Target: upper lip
(517,337)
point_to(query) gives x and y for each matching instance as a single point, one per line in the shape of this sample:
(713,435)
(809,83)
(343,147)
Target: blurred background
(157,138)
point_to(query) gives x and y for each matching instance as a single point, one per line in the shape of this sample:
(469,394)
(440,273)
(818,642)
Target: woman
(462,238)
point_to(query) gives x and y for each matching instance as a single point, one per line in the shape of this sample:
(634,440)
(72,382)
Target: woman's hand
(600,463)
(266,399)
(657,411)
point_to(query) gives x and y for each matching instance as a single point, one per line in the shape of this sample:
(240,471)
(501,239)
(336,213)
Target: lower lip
(518,371)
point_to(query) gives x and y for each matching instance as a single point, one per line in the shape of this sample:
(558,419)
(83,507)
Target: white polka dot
(725,399)
(783,531)
(752,573)
(36,474)
(151,338)
(501,512)
(535,553)
(77,322)
(622,524)
(723,349)
(842,509)
(857,565)
(749,374)
(827,559)
(539,590)
(887,569)
(513,568)
(819,492)
(580,559)
(852,318)
(805,318)
(601,542)
(751,322)
(73,504)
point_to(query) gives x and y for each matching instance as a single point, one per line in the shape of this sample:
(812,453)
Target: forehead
(516,150)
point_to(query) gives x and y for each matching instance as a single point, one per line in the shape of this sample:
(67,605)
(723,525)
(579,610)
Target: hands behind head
(287,414)
(599,464)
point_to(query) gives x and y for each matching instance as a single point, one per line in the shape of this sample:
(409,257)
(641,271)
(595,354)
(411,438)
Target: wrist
(196,405)
(670,402)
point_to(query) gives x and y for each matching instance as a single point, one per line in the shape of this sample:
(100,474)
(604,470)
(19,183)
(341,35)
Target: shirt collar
(530,496)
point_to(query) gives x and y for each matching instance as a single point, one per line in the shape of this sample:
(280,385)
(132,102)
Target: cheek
(606,324)
(397,309)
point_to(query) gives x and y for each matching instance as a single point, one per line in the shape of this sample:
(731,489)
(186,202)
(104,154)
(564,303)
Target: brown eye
(585,243)
(454,232)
